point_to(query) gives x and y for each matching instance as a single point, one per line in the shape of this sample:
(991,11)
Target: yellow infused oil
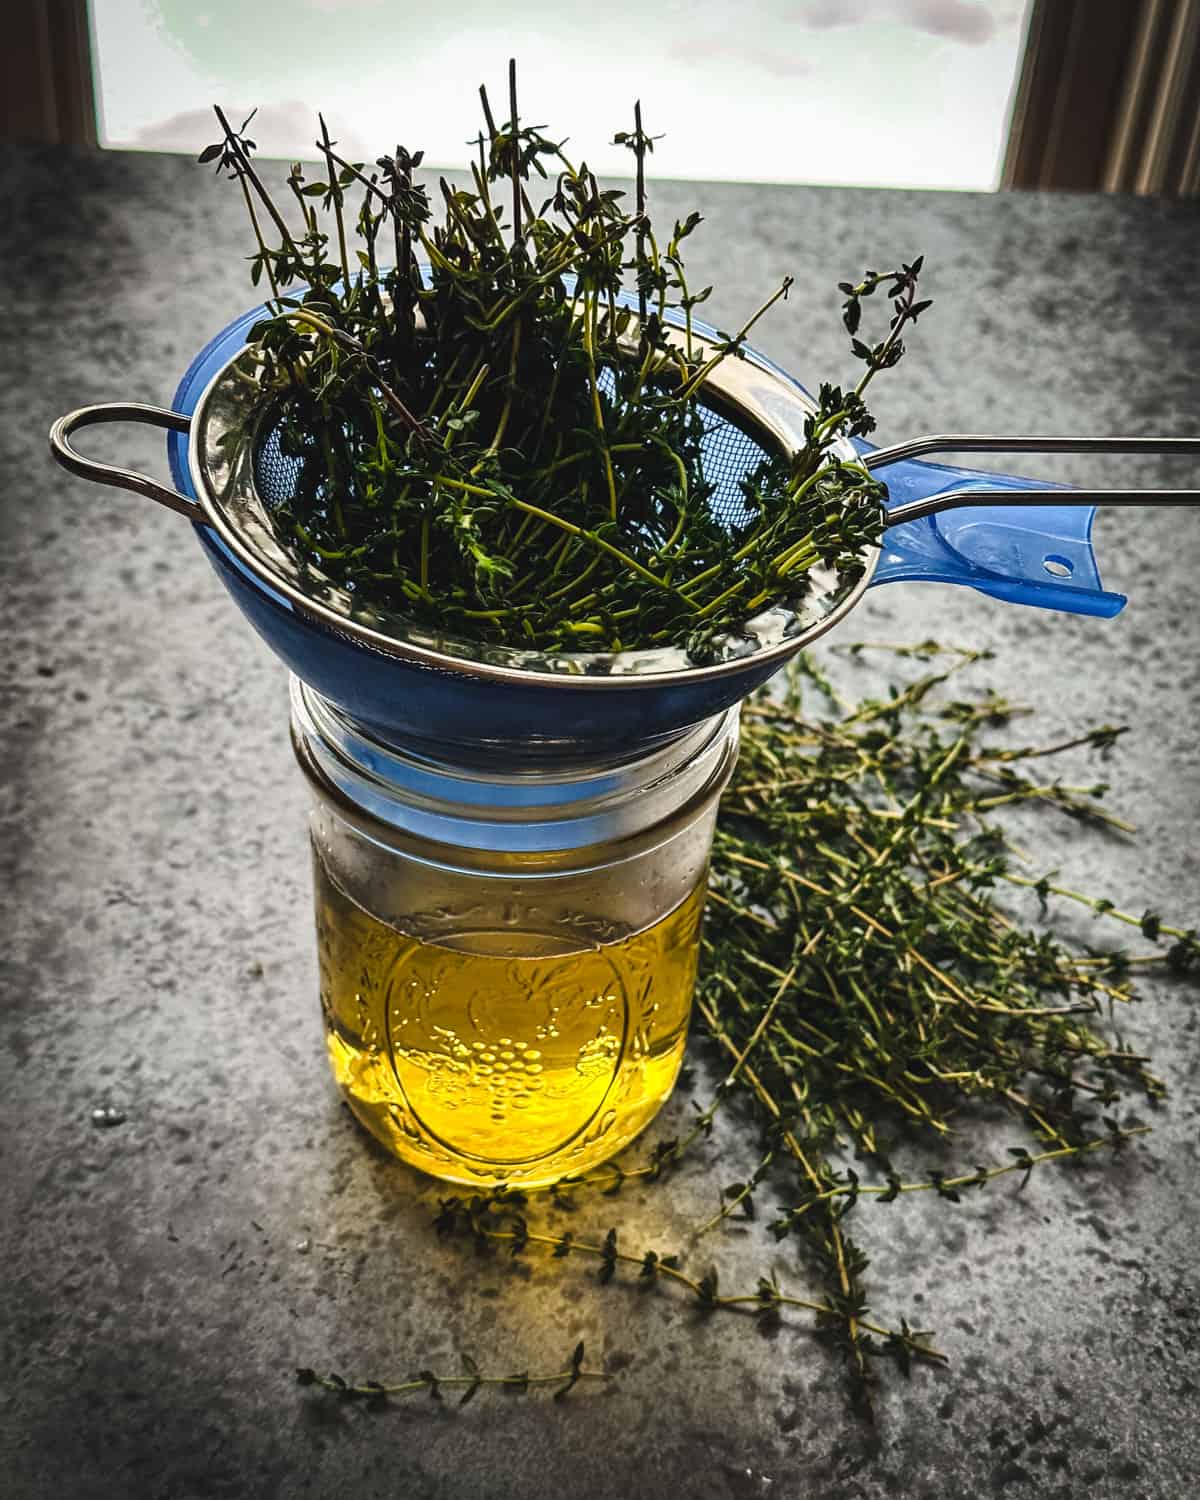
(496,1054)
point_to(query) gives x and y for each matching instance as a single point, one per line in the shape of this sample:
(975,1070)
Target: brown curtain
(1109,98)
(46,72)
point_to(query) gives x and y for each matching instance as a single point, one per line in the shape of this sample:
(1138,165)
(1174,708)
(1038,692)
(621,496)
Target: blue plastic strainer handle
(1037,554)
(1040,554)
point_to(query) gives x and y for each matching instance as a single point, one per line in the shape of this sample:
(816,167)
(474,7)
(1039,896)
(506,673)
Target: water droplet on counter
(105,1116)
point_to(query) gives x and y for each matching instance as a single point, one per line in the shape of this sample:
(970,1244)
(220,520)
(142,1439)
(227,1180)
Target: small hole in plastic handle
(1058,567)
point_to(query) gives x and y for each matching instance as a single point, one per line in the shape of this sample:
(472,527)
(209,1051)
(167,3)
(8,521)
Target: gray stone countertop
(161,1278)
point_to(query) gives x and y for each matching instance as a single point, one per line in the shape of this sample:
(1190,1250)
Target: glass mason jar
(506,958)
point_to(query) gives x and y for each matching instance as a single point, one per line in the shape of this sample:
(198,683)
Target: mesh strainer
(1027,544)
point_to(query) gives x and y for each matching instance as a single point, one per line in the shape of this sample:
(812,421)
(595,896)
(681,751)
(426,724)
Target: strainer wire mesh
(729,452)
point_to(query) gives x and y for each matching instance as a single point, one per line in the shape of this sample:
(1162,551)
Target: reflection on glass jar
(507,961)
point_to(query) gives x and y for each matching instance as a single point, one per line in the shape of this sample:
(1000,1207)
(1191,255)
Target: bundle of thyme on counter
(868,996)
(499,447)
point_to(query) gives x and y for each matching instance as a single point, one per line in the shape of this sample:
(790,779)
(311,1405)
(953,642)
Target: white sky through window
(891,93)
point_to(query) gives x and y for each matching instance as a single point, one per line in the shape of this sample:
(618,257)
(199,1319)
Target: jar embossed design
(506,958)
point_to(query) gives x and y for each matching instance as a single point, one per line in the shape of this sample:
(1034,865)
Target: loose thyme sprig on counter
(501,450)
(470,1382)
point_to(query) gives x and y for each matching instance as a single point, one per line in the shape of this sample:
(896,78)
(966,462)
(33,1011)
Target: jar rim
(536,816)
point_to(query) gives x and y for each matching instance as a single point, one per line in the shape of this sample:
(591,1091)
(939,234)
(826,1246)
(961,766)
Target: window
(903,93)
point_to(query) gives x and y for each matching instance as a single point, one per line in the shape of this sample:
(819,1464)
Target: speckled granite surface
(159,1279)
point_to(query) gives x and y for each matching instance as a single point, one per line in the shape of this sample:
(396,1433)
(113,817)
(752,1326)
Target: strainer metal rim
(762,395)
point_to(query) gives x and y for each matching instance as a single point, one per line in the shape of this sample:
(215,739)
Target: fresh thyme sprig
(496,1219)
(497,447)
(374,1393)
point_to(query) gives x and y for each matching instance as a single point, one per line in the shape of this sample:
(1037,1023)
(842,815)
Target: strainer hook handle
(122,479)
